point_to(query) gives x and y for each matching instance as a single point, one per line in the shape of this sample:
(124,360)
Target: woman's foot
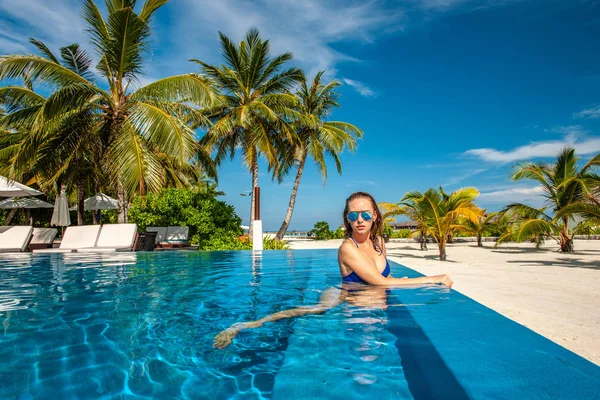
(223,339)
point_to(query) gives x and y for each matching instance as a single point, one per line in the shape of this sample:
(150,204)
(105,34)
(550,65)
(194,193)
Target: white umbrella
(24,202)
(14,189)
(245,227)
(99,201)
(60,216)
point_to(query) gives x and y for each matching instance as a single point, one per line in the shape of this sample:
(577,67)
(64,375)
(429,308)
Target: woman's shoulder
(346,246)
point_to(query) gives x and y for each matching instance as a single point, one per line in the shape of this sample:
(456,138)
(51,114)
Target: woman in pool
(362,260)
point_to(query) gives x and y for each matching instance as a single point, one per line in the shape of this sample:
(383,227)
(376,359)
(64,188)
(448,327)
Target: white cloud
(537,150)
(362,183)
(56,23)
(592,112)
(460,178)
(360,87)
(519,194)
(307,28)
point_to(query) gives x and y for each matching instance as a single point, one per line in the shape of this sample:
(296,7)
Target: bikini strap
(354,242)
(377,245)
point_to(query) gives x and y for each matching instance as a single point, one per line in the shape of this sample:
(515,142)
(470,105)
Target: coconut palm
(317,137)
(567,190)
(253,116)
(133,126)
(440,212)
(65,152)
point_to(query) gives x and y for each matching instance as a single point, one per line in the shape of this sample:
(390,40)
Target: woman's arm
(352,258)
(330,298)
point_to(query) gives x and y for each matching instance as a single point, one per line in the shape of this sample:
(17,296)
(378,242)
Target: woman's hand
(443,279)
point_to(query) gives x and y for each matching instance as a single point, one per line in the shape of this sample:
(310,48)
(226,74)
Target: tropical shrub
(402,233)
(321,231)
(213,223)
(243,243)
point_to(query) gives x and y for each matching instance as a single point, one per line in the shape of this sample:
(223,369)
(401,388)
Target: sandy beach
(557,295)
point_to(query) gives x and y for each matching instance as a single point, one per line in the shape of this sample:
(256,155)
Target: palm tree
(440,212)
(253,116)
(66,153)
(477,227)
(567,190)
(133,126)
(317,137)
(410,206)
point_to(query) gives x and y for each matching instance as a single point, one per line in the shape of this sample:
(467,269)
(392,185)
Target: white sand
(557,295)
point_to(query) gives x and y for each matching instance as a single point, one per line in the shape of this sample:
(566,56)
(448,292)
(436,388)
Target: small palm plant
(478,227)
(441,211)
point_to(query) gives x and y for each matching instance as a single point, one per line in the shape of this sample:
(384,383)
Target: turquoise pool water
(141,325)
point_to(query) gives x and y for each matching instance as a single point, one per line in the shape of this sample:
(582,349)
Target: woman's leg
(330,298)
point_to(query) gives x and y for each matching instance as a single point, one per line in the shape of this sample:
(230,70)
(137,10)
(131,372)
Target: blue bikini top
(353,276)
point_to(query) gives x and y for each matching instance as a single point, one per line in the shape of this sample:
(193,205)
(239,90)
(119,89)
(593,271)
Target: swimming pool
(141,325)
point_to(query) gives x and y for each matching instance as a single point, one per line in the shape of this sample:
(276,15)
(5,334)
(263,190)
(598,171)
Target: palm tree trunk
(10,216)
(479,242)
(122,204)
(290,210)
(254,185)
(423,241)
(566,243)
(442,249)
(80,204)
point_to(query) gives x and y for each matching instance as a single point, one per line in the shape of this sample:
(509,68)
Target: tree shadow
(563,262)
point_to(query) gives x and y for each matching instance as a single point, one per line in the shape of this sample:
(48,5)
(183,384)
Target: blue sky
(448,92)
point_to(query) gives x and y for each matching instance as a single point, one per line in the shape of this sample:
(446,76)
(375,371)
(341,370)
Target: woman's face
(360,205)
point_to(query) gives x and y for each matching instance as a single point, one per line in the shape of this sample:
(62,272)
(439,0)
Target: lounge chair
(42,238)
(14,239)
(177,236)
(75,238)
(161,233)
(114,237)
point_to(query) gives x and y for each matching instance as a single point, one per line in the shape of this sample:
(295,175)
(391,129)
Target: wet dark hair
(376,228)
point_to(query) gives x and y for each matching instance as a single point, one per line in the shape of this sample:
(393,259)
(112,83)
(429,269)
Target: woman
(361,259)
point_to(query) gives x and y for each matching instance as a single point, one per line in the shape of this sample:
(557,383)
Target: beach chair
(114,237)
(177,236)
(42,238)
(15,239)
(161,233)
(75,238)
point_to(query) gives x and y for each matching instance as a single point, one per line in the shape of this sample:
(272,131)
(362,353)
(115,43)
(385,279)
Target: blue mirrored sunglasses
(366,215)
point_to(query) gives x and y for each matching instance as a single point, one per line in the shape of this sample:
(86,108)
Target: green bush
(402,234)
(321,231)
(339,233)
(388,230)
(213,223)
(243,243)
(274,244)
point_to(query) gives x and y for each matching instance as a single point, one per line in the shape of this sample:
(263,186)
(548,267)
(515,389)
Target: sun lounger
(170,237)
(114,237)
(161,233)
(76,237)
(42,238)
(177,236)
(15,239)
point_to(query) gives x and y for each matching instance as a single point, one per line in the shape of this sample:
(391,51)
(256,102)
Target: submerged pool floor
(141,326)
